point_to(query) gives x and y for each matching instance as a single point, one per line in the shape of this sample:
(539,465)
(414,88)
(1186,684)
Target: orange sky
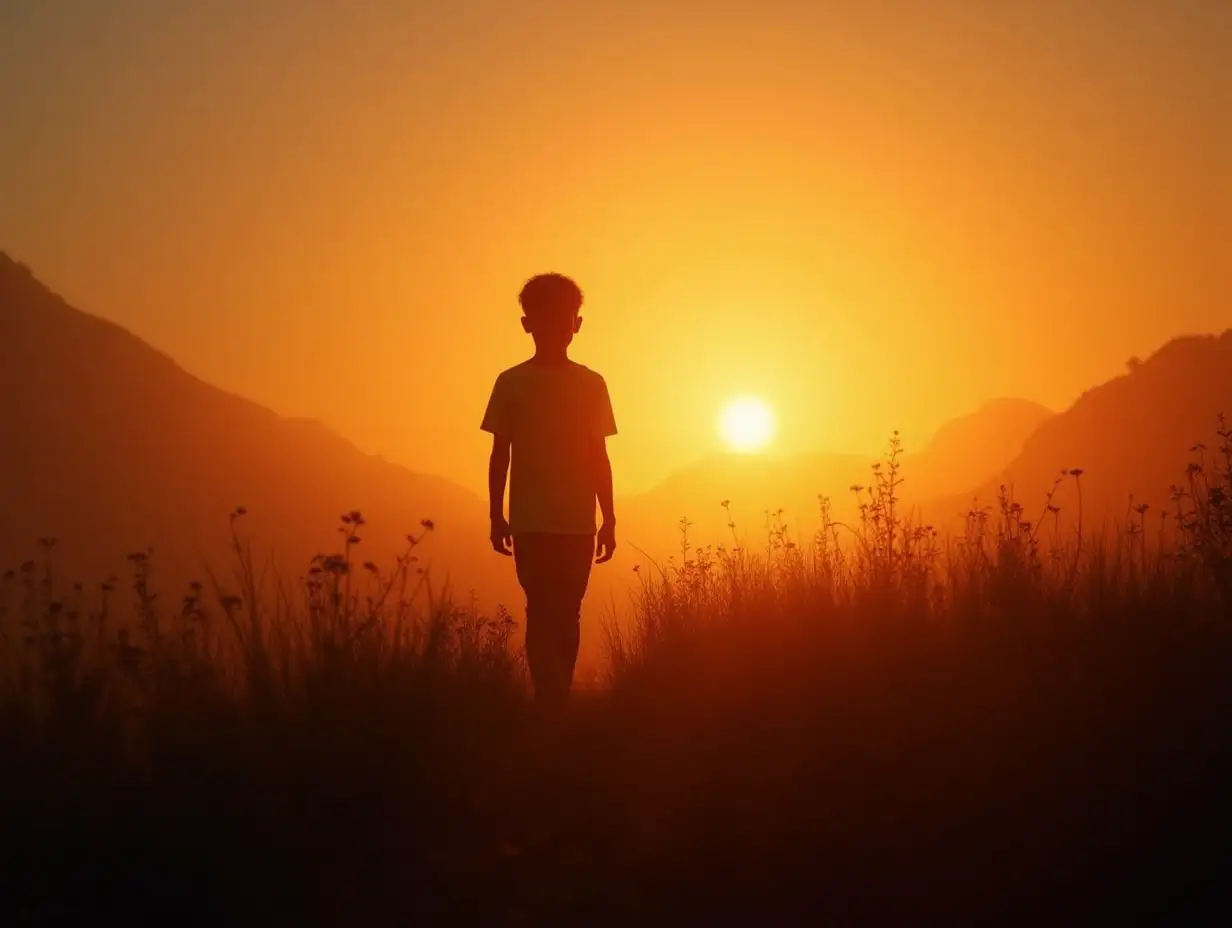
(874,215)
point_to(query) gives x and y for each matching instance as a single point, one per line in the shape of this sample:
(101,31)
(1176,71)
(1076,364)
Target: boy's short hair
(550,294)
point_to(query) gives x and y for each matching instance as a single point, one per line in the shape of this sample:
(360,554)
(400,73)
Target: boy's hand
(501,537)
(605,543)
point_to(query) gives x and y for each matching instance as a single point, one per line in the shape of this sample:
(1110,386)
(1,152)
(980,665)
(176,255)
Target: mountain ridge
(1134,434)
(115,445)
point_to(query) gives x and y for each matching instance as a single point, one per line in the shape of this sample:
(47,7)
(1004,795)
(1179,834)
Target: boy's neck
(550,358)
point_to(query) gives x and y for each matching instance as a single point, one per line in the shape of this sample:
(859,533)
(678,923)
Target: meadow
(1016,724)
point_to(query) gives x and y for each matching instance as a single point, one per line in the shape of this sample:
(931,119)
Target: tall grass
(1018,724)
(1021,724)
(263,736)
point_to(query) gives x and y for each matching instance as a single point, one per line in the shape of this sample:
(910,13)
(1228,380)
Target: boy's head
(550,305)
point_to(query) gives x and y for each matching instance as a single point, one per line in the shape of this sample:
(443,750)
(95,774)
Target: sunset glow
(866,554)
(816,192)
(746,424)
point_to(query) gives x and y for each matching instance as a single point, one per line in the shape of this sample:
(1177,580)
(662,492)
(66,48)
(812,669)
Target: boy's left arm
(604,427)
(605,543)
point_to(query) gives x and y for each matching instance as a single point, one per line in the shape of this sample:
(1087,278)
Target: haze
(329,207)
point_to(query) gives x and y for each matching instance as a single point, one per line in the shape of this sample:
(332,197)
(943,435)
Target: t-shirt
(553,416)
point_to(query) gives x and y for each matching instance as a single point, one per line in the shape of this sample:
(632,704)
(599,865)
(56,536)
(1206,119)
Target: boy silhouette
(555,416)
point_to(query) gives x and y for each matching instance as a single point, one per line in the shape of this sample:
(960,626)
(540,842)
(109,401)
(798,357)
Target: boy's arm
(604,425)
(498,471)
(606,541)
(498,421)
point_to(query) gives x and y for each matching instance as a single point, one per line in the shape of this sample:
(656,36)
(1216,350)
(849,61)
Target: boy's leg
(554,571)
(572,556)
(531,563)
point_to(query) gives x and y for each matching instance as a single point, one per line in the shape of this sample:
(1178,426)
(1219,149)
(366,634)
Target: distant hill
(753,484)
(1133,434)
(968,450)
(963,451)
(111,447)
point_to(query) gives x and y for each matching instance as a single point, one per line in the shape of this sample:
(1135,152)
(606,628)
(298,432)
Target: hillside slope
(1135,434)
(111,447)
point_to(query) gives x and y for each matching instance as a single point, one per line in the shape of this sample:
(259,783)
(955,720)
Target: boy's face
(552,330)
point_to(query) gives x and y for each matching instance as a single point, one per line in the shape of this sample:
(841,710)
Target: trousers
(553,570)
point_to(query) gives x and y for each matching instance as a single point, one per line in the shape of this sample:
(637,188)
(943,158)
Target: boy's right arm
(498,421)
(498,470)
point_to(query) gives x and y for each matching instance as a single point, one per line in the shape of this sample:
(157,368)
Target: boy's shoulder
(528,369)
(511,374)
(586,373)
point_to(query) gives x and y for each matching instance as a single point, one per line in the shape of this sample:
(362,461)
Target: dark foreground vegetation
(1020,726)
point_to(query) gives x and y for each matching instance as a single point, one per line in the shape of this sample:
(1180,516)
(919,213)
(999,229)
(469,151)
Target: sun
(746,424)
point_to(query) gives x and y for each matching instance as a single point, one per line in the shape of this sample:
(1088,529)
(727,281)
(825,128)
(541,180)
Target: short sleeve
(604,419)
(497,418)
